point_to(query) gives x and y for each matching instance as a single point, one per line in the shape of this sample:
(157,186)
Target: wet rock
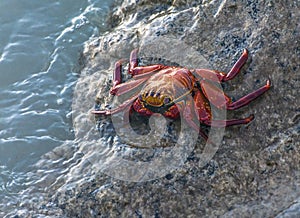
(256,170)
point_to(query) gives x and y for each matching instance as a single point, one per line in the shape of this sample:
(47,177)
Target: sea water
(40,48)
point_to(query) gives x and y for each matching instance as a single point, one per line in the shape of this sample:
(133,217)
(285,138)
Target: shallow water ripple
(40,48)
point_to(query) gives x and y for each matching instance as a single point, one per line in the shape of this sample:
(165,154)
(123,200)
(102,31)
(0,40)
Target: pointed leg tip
(99,112)
(114,91)
(268,83)
(245,52)
(134,51)
(250,118)
(118,65)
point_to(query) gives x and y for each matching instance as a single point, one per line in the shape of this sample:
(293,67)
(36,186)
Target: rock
(256,170)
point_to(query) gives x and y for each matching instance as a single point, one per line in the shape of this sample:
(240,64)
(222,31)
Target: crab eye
(167,100)
(152,94)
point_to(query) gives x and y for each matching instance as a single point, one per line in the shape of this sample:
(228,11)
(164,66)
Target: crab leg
(217,97)
(237,66)
(250,97)
(120,88)
(123,88)
(146,71)
(188,115)
(133,62)
(218,76)
(224,123)
(196,127)
(140,75)
(134,70)
(117,76)
(202,109)
(123,107)
(211,75)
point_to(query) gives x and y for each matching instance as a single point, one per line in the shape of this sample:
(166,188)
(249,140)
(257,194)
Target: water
(40,46)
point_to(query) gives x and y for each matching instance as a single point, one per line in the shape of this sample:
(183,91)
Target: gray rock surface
(256,171)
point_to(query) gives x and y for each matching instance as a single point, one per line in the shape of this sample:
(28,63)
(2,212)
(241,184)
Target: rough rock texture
(256,171)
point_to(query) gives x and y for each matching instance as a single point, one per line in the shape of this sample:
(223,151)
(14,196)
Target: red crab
(172,90)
